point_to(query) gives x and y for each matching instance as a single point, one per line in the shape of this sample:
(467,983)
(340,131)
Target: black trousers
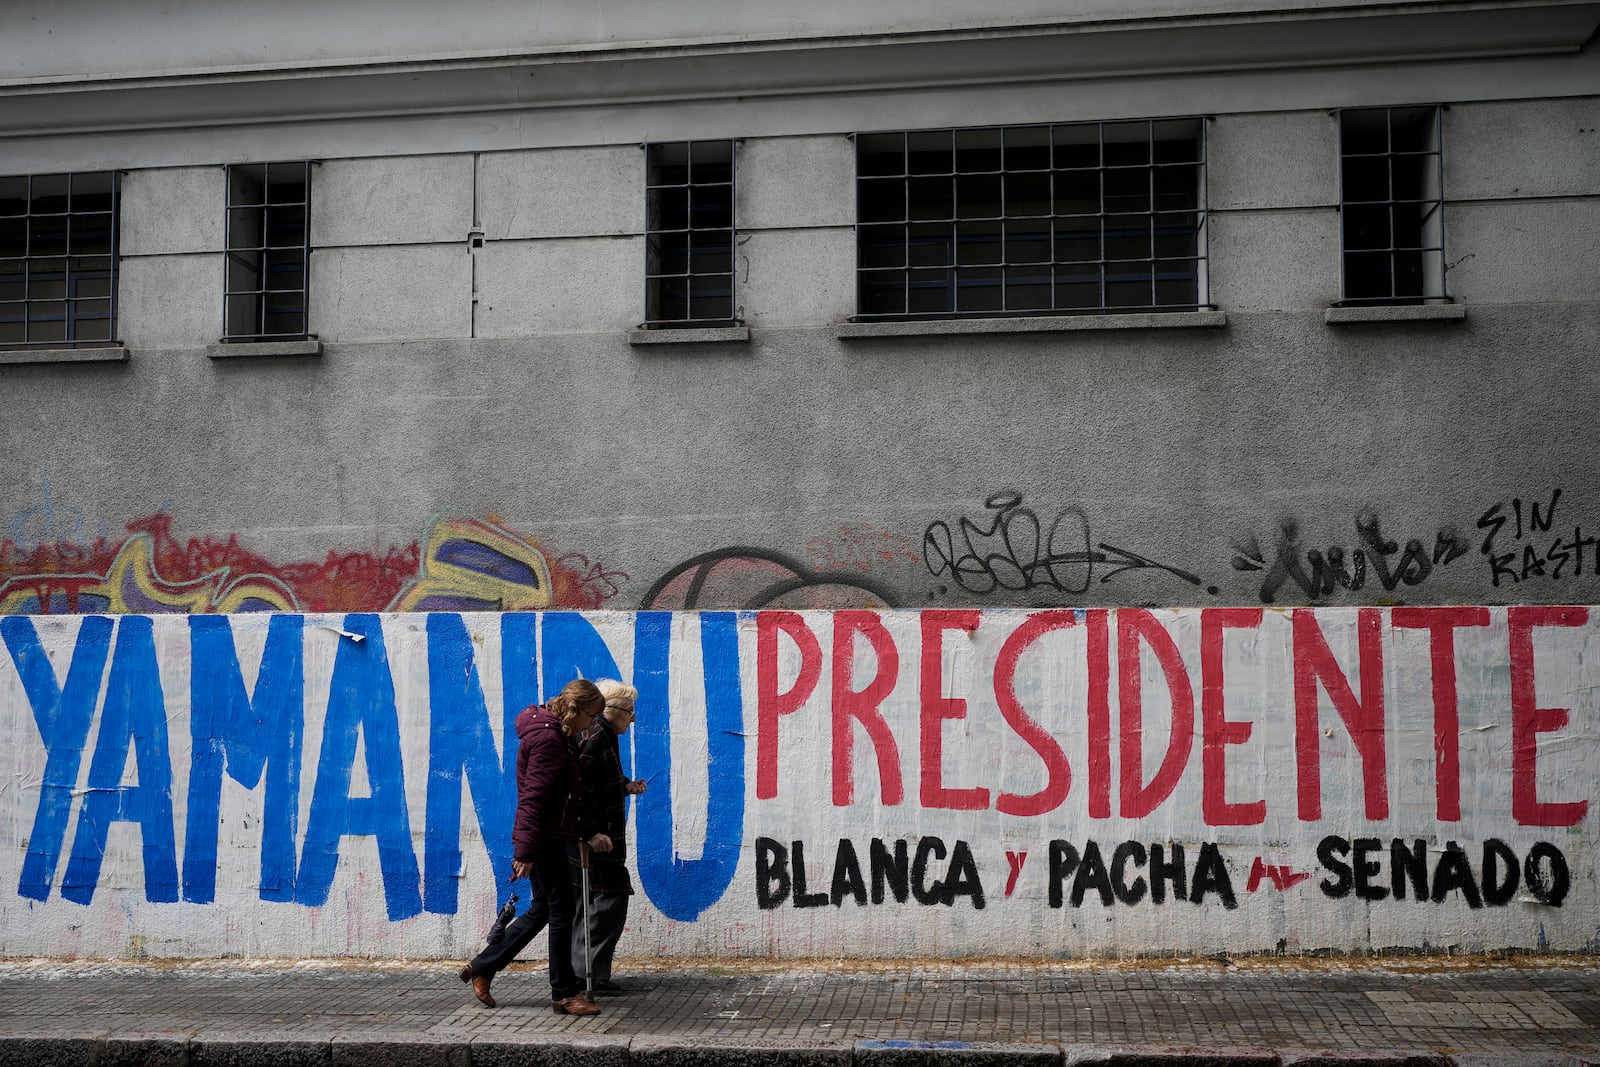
(608,913)
(552,903)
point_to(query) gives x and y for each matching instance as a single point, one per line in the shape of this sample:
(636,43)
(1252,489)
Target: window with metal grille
(58,260)
(1391,205)
(268,251)
(689,234)
(1076,218)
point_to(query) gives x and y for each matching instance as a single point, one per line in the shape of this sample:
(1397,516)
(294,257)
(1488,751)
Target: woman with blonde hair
(603,824)
(546,823)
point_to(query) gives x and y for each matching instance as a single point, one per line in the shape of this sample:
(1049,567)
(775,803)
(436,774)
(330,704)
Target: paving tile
(343,1012)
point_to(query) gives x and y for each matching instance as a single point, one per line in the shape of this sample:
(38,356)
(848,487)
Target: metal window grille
(1391,205)
(58,260)
(1074,218)
(268,251)
(689,234)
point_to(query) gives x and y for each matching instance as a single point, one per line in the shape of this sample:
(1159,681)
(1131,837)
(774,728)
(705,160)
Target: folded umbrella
(497,932)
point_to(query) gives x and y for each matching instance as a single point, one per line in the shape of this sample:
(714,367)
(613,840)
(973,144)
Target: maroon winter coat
(547,781)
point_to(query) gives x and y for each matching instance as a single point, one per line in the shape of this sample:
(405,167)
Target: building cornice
(587,75)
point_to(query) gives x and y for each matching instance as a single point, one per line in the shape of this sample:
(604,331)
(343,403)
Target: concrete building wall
(478,427)
(469,383)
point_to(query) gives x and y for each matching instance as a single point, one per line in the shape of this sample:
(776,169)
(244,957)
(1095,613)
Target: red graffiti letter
(1441,624)
(770,704)
(1258,871)
(1314,663)
(1099,714)
(936,708)
(1016,860)
(862,706)
(1216,731)
(1135,625)
(1527,721)
(1058,776)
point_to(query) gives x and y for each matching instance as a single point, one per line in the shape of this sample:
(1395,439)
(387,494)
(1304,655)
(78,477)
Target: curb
(99,1049)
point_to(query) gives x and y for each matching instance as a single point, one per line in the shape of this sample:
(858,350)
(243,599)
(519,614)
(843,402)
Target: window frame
(1197,256)
(658,236)
(70,278)
(261,213)
(1438,293)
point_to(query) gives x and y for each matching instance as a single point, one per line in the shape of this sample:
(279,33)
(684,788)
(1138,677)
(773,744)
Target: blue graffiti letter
(360,701)
(459,740)
(246,737)
(573,648)
(134,708)
(683,889)
(519,663)
(63,716)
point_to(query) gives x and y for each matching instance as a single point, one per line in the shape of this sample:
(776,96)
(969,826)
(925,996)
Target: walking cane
(588,943)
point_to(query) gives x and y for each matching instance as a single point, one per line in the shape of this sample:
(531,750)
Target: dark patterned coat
(603,808)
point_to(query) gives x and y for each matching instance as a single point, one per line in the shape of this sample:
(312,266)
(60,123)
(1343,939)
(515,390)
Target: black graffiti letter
(1410,863)
(1454,872)
(893,871)
(1128,894)
(1548,888)
(925,893)
(1329,853)
(1492,521)
(847,881)
(802,899)
(1091,875)
(963,877)
(1211,876)
(1063,861)
(772,873)
(1497,853)
(1366,869)
(1539,522)
(1171,871)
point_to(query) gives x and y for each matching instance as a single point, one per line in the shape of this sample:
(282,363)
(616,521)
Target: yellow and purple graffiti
(466,564)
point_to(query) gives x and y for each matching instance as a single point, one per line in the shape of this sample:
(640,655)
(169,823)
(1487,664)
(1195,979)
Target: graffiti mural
(1516,550)
(857,546)
(462,565)
(1057,782)
(746,577)
(1319,574)
(1016,550)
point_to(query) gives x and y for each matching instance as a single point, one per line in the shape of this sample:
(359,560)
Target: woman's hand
(634,786)
(520,870)
(600,843)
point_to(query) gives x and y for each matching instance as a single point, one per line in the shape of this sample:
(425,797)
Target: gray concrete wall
(1190,449)
(1176,466)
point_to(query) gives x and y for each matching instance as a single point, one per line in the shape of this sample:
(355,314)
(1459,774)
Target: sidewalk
(283,1013)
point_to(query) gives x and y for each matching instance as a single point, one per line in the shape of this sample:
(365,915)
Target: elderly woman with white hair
(603,823)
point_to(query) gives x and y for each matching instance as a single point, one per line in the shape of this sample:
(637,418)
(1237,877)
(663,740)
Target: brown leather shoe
(577,1004)
(480,986)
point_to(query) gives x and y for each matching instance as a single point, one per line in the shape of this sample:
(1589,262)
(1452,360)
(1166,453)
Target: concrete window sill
(714,335)
(1397,313)
(114,354)
(244,349)
(1033,324)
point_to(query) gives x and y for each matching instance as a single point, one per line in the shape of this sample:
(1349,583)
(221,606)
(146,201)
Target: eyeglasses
(626,709)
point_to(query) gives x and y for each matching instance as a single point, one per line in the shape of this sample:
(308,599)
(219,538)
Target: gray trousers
(607,914)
